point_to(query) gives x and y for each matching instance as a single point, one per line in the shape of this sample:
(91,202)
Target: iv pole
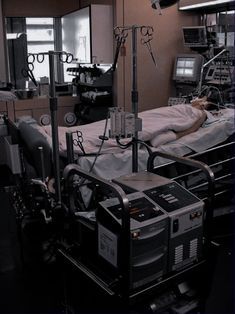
(54,126)
(134,98)
(156,4)
(53,112)
(121,34)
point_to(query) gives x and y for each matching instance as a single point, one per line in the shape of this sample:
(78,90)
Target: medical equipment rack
(119,287)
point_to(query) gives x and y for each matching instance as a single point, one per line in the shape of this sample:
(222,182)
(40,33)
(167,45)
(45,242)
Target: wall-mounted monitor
(187,68)
(195,36)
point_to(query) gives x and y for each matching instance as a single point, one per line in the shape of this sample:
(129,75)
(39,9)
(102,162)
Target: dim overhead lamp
(161,4)
(204,4)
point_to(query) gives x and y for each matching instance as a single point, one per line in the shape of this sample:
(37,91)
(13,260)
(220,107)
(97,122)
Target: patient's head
(200,103)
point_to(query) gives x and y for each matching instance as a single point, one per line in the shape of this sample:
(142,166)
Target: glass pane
(180,63)
(39,21)
(189,63)
(41,69)
(76,34)
(40,34)
(40,48)
(188,72)
(180,71)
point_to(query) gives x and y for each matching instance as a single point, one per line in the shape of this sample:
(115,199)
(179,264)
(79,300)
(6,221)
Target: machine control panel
(141,208)
(220,74)
(171,196)
(173,101)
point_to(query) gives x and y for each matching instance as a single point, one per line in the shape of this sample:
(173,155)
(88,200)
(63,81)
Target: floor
(36,287)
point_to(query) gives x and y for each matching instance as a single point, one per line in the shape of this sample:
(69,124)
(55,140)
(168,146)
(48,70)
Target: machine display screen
(140,209)
(185,67)
(195,36)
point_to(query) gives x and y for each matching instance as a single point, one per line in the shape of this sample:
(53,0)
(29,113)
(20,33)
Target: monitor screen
(187,68)
(195,36)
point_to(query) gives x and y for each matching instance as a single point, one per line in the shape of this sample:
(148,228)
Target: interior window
(40,38)
(34,35)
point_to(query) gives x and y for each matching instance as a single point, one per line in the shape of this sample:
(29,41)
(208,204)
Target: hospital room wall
(3,71)
(29,8)
(24,8)
(45,7)
(155,84)
(16,8)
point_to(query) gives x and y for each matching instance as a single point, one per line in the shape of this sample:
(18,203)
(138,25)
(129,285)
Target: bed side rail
(221,160)
(198,165)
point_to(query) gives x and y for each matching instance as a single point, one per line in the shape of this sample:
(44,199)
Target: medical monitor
(195,36)
(187,68)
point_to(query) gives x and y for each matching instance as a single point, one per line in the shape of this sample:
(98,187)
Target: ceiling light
(204,4)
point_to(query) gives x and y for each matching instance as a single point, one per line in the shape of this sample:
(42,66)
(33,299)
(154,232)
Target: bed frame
(220,159)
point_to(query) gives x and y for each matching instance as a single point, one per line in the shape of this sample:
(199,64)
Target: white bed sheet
(114,162)
(159,126)
(113,165)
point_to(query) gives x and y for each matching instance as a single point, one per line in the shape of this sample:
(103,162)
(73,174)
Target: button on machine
(175,225)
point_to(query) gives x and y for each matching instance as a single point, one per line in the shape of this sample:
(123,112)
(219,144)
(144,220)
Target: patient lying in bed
(200,104)
(159,126)
(190,119)
(178,130)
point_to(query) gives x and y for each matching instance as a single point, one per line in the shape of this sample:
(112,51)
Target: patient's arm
(194,127)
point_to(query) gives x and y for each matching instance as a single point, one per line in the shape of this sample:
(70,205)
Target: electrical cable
(103,138)
(124,146)
(101,145)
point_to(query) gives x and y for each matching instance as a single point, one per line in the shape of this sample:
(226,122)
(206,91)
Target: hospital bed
(111,160)
(212,144)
